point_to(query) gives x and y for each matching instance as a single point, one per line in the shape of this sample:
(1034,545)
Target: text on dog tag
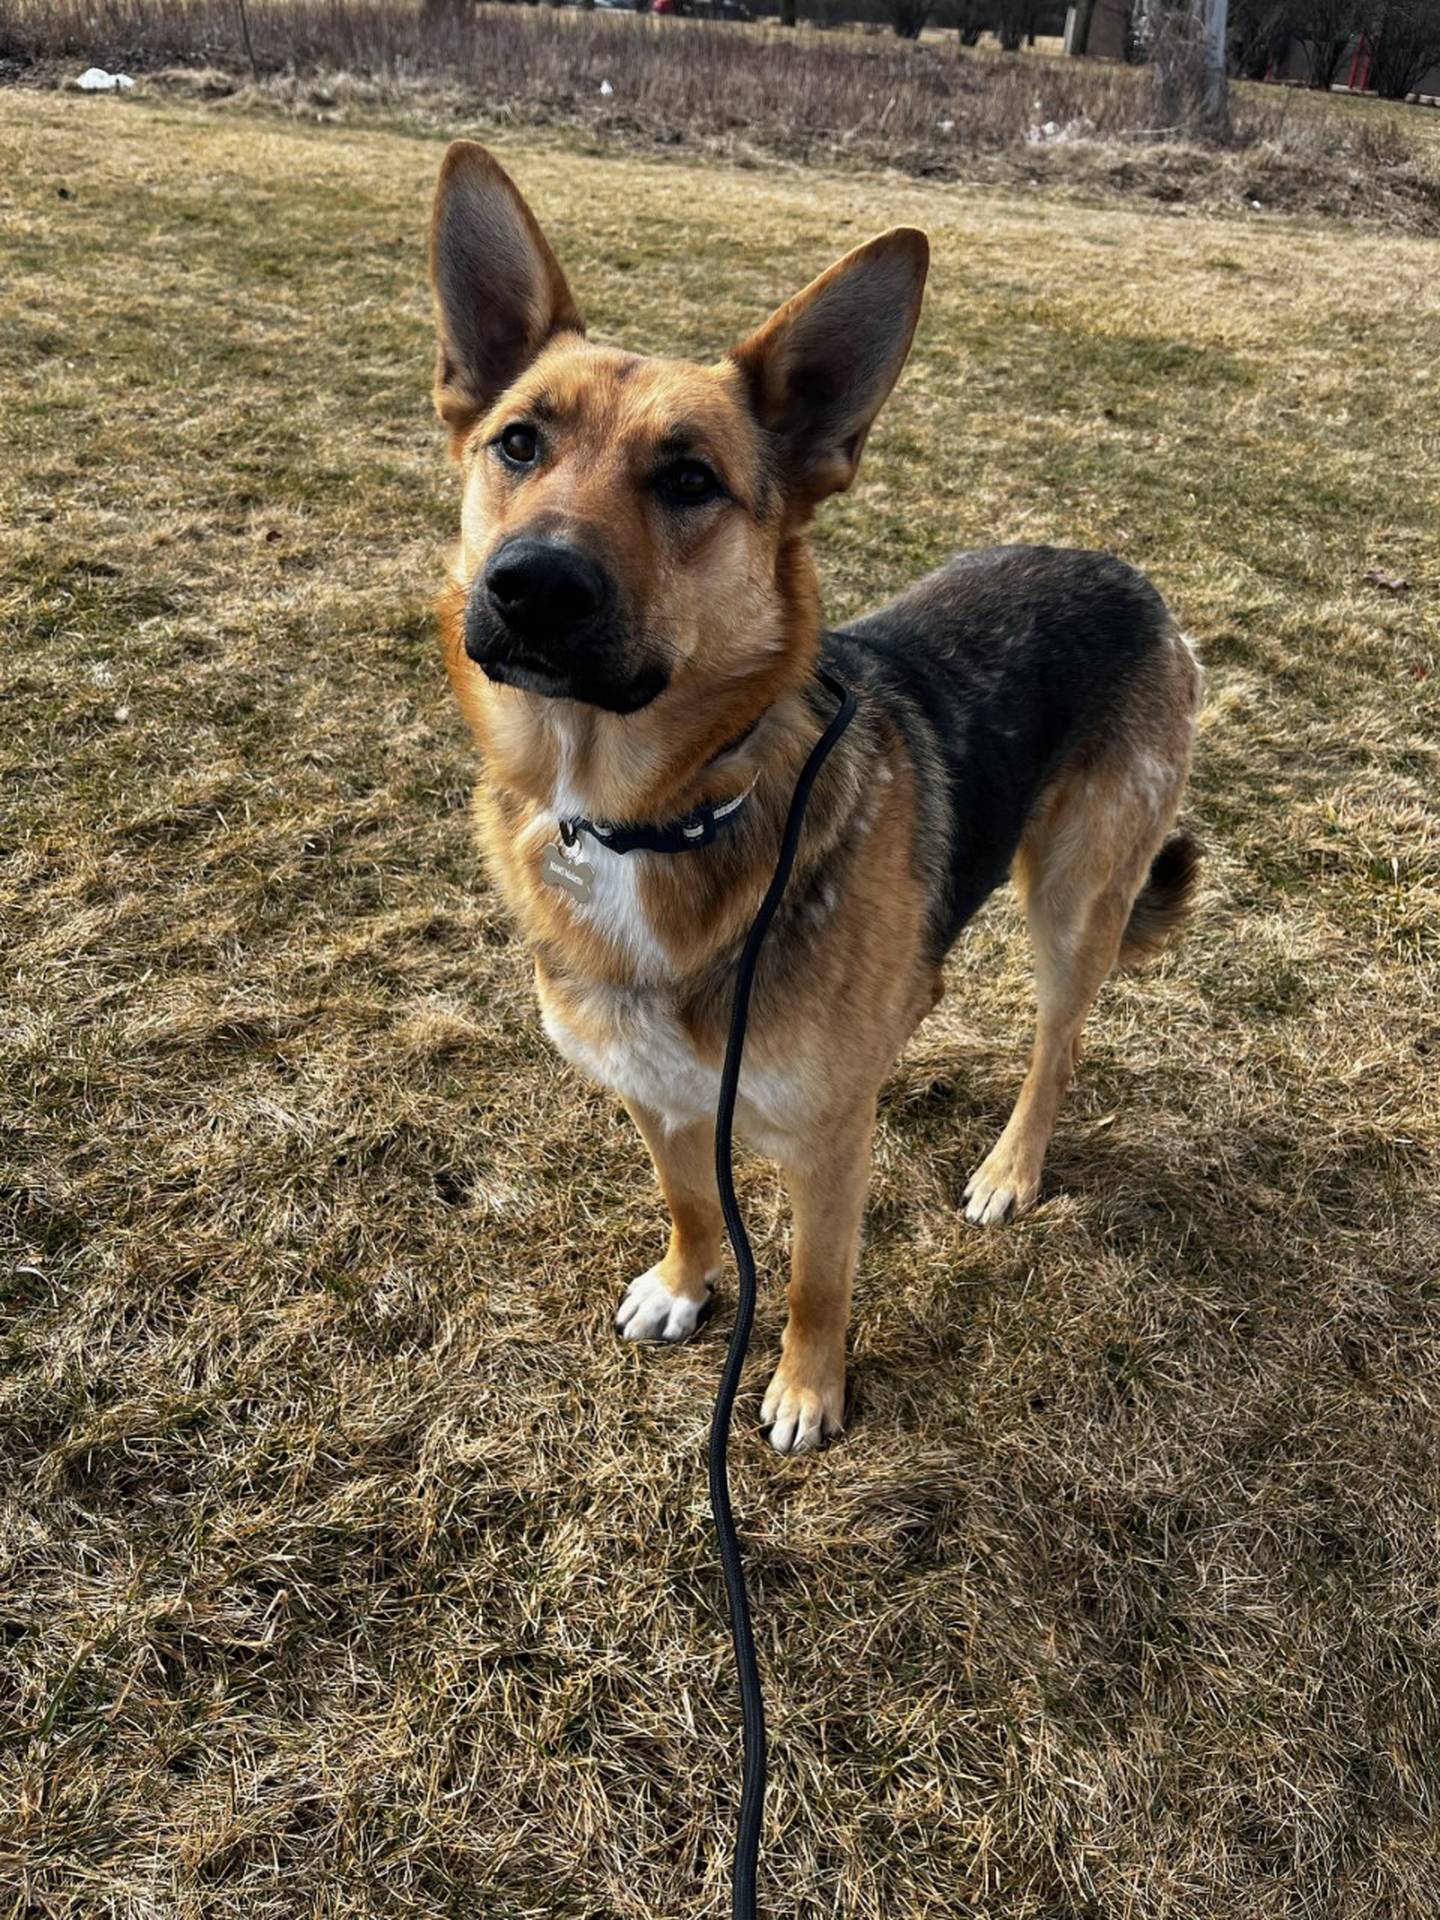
(565,874)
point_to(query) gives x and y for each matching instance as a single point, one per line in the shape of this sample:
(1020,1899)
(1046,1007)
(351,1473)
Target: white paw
(996,1190)
(803,1417)
(650,1311)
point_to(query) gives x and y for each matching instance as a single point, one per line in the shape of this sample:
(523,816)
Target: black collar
(694,829)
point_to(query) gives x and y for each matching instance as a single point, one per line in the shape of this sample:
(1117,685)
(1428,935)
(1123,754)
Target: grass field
(349,1566)
(854,99)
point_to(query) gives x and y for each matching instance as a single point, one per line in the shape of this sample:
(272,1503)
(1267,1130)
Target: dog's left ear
(822,366)
(499,291)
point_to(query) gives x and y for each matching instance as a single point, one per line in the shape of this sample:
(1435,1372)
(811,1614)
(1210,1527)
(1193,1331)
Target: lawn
(855,99)
(349,1565)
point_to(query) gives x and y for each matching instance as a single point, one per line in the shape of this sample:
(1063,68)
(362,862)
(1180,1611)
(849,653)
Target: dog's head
(629,522)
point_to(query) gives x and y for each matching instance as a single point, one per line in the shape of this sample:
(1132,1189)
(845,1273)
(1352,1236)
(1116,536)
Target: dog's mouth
(593,686)
(528,674)
(597,661)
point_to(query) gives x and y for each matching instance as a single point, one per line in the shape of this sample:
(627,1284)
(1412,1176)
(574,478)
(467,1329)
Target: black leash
(752,1790)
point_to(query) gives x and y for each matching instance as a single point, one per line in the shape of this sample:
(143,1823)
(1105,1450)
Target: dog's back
(1003,669)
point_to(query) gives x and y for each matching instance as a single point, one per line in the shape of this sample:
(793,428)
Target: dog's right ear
(499,292)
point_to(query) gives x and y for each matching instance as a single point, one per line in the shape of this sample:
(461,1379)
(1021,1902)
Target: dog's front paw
(650,1311)
(1002,1185)
(804,1404)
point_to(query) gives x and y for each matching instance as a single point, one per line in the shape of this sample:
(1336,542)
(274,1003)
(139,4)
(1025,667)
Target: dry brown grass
(348,1565)
(748,94)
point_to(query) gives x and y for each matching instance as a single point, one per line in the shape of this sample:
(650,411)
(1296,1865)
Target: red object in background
(663,6)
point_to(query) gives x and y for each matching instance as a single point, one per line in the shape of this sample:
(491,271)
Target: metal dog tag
(567,873)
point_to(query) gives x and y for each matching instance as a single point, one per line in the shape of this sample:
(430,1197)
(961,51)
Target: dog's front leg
(805,1403)
(666,1302)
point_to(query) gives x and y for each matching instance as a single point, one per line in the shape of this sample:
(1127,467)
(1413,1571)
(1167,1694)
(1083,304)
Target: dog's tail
(1164,901)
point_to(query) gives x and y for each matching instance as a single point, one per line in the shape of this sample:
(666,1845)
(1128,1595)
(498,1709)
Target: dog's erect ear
(822,366)
(499,292)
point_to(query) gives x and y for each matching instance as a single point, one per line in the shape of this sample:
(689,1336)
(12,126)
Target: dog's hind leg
(666,1303)
(1076,932)
(1082,875)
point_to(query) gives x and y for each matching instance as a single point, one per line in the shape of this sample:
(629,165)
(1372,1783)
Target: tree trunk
(1084,14)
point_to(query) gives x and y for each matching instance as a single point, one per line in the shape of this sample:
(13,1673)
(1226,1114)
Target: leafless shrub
(924,108)
(1327,29)
(1406,40)
(691,76)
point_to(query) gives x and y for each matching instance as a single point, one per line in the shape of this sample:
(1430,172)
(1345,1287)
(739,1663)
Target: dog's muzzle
(545,616)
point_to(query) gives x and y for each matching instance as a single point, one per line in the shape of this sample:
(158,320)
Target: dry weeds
(348,1565)
(745,94)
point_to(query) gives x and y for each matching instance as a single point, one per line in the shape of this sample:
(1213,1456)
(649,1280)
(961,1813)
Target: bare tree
(1328,28)
(1014,20)
(1404,44)
(908,17)
(1084,14)
(1187,73)
(1260,33)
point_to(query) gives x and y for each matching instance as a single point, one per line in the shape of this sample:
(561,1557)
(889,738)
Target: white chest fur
(630,1038)
(632,1041)
(615,908)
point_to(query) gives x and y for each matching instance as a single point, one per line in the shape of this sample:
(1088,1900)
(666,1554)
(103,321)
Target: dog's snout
(547,618)
(544,589)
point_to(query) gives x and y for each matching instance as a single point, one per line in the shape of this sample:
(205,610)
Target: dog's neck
(702,739)
(692,745)
(622,781)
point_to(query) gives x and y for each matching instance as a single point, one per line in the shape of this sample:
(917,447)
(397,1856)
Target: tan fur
(635,986)
(1079,871)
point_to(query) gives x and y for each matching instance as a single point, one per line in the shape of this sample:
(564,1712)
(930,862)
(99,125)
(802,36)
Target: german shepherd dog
(632,627)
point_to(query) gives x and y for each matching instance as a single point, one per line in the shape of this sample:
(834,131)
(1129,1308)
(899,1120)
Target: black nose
(543,589)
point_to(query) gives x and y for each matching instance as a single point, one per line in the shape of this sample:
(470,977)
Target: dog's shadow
(1151,1184)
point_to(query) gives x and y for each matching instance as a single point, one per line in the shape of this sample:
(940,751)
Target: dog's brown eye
(519,445)
(688,483)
